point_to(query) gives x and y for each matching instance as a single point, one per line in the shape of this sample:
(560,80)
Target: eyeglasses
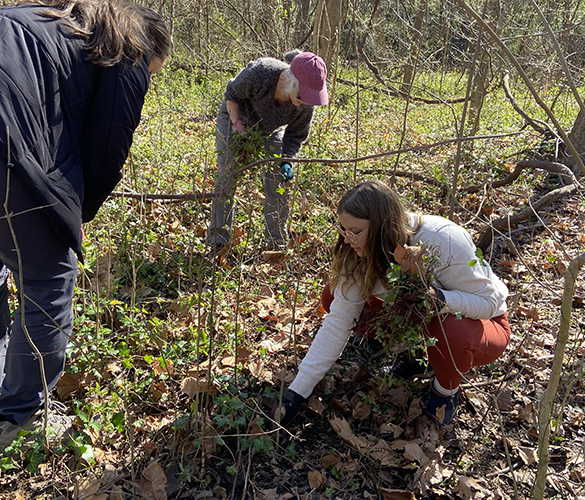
(352,237)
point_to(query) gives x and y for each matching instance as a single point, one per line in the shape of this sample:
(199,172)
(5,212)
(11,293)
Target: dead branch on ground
(504,223)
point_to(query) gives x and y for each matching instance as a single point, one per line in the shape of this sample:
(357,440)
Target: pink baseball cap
(311,72)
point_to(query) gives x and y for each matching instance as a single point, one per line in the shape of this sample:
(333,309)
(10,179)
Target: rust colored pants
(461,343)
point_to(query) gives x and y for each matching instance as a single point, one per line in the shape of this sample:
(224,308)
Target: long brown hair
(389,226)
(112,30)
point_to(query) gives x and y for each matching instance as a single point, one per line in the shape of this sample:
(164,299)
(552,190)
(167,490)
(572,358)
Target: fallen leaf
(528,455)
(68,384)
(414,453)
(330,460)
(316,479)
(361,410)
(471,489)
(88,490)
(191,386)
(396,494)
(268,494)
(342,427)
(154,484)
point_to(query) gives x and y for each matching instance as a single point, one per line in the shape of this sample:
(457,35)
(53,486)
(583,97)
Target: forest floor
(206,433)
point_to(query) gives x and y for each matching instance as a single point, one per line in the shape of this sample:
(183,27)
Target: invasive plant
(408,307)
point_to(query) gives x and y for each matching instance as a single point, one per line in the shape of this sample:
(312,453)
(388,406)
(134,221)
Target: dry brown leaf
(526,313)
(221,492)
(268,494)
(316,479)
(382,452)
(410,258)
(154,484)
(414,453)
(430,475)
(255,431)
(396,494)
(258,370)
(471,489)
(191,386)
(274,257)
(275,343)
(229,361)
(116,493)
(342,427)
(505,400)
(390,428)
(361,410)
(331,460)
(163,366)
(88,490)
(528,455)
(68,384)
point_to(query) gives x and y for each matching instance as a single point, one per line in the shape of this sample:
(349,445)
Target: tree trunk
(417,40)
(577,137)
(326,28)
(303,23)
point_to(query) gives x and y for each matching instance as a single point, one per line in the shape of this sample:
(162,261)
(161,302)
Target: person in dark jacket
(277,99)
(73,77)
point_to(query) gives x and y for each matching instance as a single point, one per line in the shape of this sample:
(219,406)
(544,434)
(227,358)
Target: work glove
(286,170)
(238,125)
(284,412)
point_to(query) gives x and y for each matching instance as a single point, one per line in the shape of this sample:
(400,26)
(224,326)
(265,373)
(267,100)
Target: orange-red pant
(461,343)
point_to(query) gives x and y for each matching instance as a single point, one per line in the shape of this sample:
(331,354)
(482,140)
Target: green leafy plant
(408,307)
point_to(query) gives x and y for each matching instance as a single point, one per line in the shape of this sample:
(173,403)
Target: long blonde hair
(112,30)
(389,226)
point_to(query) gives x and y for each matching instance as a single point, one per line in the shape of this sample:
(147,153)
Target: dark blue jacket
(70,121)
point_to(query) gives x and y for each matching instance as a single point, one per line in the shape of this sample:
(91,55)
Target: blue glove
(286,170)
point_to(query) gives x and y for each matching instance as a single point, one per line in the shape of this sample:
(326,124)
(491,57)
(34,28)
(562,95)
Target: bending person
(372,224)
(75,74)
(276,99)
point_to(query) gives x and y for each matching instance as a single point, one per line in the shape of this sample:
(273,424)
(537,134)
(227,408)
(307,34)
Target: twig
(22,297)
(329,161)
(538,125)
(514,467)
(555,376)
(527,81)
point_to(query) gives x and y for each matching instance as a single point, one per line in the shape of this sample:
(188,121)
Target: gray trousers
(48,273)
(276,193)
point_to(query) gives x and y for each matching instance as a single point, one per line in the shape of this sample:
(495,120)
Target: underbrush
(178,359)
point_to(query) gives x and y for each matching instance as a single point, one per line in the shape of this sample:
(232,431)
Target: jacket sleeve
(470,287)
(297,132)
(330,340)
(244,85)
(113,118)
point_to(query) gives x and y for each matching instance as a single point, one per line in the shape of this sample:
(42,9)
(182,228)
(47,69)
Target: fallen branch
(558,168)
(504,223)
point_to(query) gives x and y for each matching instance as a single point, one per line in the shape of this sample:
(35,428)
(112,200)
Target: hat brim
(312,96)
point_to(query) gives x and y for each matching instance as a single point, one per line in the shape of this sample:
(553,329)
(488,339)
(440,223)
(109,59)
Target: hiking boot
(59,426)
(407,367)
(440,408)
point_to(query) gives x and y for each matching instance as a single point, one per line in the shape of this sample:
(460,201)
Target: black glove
(284,413)
(286,170)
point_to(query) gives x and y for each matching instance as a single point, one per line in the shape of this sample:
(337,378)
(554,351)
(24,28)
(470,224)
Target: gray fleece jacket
(253,89)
